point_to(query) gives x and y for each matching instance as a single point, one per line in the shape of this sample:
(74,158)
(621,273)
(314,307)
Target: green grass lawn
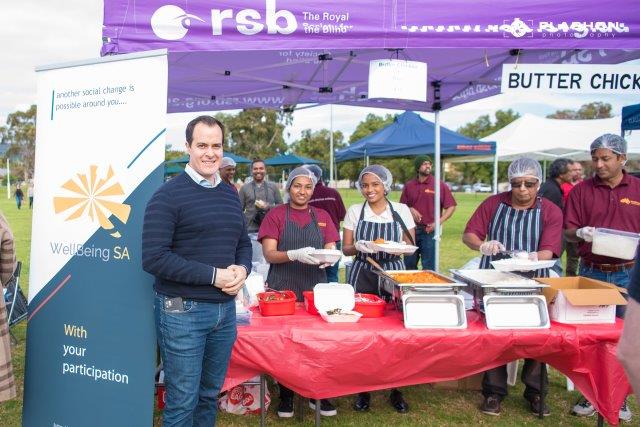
(428,406)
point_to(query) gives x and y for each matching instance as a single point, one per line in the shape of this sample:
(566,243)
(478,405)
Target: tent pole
(331,177)
(8,180)
(544,170)
(495,173)
(436,204)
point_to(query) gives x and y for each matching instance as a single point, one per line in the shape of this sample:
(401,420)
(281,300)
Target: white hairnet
(227,161)
(610,141)
(383,174)
(300,171)
(525,166)
(315,169)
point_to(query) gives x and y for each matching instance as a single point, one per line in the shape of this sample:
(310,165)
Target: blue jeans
(426,251)
(195,345)
(332,272)
(619,278)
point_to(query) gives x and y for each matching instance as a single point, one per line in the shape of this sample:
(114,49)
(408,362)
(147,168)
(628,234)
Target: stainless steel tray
(397,290)
(516,312)
(433,311)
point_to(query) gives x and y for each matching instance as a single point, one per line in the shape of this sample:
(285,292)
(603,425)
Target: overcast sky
(39,32)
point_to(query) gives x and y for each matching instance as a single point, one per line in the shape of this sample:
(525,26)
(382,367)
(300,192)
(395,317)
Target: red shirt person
(611,199)
(419,195)
(518,220)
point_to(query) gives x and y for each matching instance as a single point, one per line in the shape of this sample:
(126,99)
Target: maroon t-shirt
(329,200)
(421,196)
(551,238)
(592,203)
(273,224)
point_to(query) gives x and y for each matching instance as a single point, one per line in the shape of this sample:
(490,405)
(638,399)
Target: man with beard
(228,171)
(258,196)
(419,195)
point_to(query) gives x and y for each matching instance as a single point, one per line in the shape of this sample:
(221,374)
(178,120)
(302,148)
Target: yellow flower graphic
(93,199)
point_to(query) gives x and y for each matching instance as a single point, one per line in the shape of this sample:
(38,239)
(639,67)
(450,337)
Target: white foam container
(329,296)
(615,243)
(327,255)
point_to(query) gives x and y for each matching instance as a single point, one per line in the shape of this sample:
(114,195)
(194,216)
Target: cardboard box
(473,382)
(582,300)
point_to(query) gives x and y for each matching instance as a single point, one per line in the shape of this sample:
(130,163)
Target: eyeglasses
(527,184)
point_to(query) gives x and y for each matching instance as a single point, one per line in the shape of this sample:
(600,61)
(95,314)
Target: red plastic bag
(244,399)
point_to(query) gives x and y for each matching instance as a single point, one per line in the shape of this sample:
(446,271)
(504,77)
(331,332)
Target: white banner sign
(99,157)
(398,79)
(571,78)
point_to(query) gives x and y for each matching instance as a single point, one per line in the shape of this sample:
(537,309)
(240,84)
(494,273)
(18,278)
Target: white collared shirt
(200,180)
(353,215)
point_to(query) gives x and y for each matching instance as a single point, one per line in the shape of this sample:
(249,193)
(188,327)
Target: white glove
(302,255)
(586,233)
(491,247)
(364,247)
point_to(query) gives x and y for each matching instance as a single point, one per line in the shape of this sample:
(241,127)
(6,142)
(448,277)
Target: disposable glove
(491,247)
(364,247)
(303,255)
(586,233)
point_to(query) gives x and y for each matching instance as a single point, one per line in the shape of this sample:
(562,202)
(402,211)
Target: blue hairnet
(382,173)
(300,171)
(610,141)
(525,166)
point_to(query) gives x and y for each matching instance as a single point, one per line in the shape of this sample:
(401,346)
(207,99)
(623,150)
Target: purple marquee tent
(283,53)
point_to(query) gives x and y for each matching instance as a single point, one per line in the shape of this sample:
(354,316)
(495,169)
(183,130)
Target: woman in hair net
(517,220)
(289,234)
(375,219)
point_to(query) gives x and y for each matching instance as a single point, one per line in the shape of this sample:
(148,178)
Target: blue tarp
(290,160)
(631,117)
(411,135)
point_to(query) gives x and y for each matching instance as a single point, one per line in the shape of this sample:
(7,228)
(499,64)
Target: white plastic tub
(615,243)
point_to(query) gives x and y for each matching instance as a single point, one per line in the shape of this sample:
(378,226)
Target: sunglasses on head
(527,184)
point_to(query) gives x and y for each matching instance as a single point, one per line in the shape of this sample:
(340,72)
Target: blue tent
(411,135)
(631,117)
(290,160)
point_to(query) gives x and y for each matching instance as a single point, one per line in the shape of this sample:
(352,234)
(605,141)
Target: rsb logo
(172,22)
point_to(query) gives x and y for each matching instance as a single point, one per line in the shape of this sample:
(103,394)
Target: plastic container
(370,309)
(309,304)
(282,307)
(327,255)
(331,296)
(615,243)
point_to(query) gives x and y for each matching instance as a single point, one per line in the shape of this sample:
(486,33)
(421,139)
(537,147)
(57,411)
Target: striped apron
(294,275)
(361,277)
(517,230)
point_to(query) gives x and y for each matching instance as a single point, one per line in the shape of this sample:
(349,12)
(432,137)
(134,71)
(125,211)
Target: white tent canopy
(548,139)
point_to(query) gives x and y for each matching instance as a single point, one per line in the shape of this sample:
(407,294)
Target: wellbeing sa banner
(99,157)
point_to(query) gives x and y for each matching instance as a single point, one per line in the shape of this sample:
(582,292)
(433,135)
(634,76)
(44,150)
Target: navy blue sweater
(188,230)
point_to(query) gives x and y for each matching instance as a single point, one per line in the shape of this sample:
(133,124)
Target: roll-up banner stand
(99,157)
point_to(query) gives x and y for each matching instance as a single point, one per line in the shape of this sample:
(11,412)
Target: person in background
(573,259)
(7,266)
(376,218)
(258,196)
(195,243)
(516,220)
(289,234)
(629,345)
(419,195)
(560,173)
(30,194)
(610,199)
(19,196)
(228,171)
(328,199)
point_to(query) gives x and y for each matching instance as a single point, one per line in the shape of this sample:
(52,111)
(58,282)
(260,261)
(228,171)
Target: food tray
(615,243)
(516,312)
(396,289)
(516,264)
(433,311)
(495,279)
(277,308)
(395,248)
(370,309)
(348,316)
(327,255)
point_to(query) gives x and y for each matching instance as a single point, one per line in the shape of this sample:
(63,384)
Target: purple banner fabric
(275,53)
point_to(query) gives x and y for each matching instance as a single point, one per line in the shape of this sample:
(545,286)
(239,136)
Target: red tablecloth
(321,360)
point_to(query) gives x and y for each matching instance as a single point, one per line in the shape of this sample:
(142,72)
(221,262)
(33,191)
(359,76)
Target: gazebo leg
(543,374)
(600,420)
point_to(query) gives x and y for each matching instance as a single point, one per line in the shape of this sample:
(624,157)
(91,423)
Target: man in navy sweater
(195,243)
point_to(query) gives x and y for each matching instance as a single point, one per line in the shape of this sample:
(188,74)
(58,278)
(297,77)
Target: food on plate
(260,204)
(379,241)
(339,311)
(420,277)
